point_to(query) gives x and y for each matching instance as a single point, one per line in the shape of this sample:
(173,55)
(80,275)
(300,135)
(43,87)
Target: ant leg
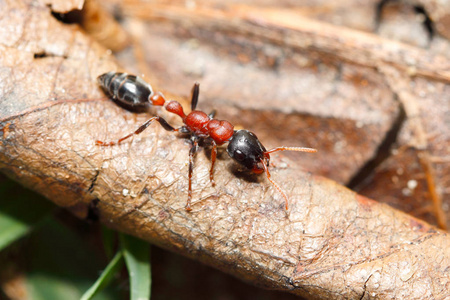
(274,183)
(299,149)
(144,126)
(192,152)
(212,114)
(213,161)
(195,92)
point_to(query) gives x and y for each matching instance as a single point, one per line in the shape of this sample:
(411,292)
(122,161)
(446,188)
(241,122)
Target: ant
(244,147)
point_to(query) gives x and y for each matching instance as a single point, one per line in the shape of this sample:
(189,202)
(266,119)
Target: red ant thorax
(197,121)
(220,130)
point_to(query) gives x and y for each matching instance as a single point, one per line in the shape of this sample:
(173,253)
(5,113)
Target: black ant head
(245,148)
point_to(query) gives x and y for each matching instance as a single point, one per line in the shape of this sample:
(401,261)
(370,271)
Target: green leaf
(107,274)
(109,239)
(61,263)
(137,259)
(20,211)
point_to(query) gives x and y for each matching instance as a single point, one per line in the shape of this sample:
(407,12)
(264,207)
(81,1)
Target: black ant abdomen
(129,91)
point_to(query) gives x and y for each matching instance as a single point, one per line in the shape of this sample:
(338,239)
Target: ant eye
(239,155)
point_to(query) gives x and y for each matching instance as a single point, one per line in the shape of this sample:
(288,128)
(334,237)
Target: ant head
(245,148)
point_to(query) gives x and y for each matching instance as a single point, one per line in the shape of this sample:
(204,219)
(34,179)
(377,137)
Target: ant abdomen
(129,91)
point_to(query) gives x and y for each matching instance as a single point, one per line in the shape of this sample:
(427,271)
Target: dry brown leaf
(332,243)
(63,6)
(312,83)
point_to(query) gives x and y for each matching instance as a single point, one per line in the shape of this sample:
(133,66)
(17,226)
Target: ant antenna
(274,183)
(266,169)
(298,149)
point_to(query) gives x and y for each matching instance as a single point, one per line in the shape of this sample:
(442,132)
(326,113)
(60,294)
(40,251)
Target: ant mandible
(243,146)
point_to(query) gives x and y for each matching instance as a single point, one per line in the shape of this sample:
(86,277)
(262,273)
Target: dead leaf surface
(352,94)
(64,6)
(332,243)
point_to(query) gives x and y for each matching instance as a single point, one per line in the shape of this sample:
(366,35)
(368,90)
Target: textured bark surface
(332,243)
